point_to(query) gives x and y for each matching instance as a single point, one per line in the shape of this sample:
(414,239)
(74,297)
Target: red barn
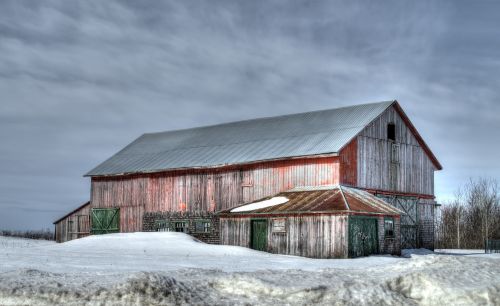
(180,180)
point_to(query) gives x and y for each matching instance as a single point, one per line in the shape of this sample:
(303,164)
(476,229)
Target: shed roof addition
(323,199)
(71,212)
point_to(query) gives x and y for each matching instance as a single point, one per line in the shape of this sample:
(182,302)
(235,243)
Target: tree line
(45,234)
(472,217)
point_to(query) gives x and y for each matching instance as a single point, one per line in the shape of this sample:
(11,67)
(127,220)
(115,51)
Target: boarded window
(202,226)
(162,226)
(391,131)
(247,179)
(389,228)
(279,225)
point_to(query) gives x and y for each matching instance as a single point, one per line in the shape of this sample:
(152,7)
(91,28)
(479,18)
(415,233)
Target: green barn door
(363,237)
(105,220)
(258,235)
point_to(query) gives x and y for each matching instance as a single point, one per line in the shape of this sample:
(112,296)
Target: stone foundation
(165,221)
(426,210)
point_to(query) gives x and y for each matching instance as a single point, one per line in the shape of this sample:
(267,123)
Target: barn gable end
(403,165)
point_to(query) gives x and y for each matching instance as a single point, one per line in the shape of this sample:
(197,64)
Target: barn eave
(219,166)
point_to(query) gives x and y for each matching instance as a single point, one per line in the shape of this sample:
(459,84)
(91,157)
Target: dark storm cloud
(81,79)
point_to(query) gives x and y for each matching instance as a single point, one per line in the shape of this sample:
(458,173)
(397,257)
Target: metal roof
(324,199)
(71,212)
(296,135)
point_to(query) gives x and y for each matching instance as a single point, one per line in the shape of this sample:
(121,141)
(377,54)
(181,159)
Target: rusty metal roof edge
(312,188)
(381,202)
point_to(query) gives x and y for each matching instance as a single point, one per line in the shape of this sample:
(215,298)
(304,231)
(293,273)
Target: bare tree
(472,217)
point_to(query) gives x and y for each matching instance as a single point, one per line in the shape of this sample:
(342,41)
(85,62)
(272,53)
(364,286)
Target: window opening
(202,226)
(389,228)
(391,131)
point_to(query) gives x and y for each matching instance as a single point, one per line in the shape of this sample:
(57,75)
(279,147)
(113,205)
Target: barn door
(258,235)
(409,219)
(363,236)
(105,220)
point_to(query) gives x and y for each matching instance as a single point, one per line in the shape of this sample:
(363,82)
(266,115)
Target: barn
(73,225)
(183,180)
(319,222)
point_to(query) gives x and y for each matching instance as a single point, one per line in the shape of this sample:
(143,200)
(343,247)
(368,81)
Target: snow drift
(174,268)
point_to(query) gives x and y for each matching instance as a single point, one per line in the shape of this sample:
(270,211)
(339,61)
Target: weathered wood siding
(207,190)
(414,171)
(349,164)
(315,236)
(73,226)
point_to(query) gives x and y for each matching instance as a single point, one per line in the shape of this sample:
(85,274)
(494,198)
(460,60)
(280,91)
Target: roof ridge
(270,117)
(343,197)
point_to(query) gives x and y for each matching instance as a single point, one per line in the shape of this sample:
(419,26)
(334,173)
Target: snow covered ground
(173,268)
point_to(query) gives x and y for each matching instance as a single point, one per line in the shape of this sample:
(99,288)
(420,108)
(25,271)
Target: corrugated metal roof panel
(324,199)
(304,134)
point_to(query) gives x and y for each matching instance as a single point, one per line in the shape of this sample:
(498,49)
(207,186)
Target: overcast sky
(80,80)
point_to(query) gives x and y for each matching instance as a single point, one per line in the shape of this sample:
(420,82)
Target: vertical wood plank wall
(415,172)
(321,236)
(348,164)
(81,225)
(207,190)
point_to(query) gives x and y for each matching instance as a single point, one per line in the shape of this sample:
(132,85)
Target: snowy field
(175,269)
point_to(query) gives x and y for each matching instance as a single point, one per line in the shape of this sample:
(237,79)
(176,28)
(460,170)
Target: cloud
(81,79)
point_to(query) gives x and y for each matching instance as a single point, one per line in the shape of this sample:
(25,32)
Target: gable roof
(323,199)
(304,134)
(323,132)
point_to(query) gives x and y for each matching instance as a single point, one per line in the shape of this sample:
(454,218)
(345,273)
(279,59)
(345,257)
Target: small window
(162,226)
(391,131)
(279,225)
(389,228)
(181,226)
(202,226)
